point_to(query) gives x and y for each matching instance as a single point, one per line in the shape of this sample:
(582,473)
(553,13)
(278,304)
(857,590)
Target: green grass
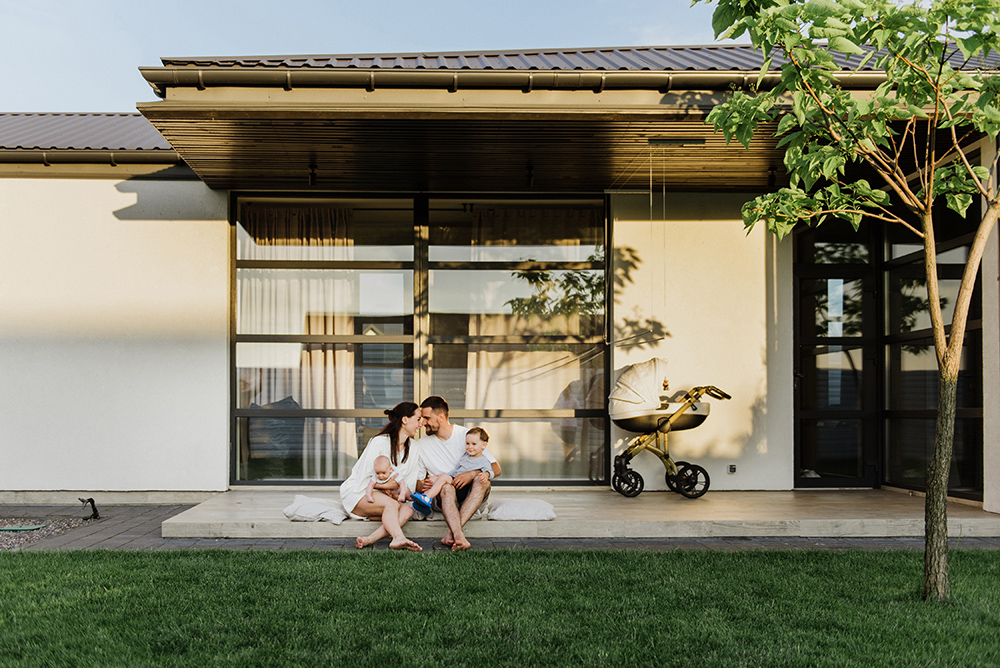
(516,608)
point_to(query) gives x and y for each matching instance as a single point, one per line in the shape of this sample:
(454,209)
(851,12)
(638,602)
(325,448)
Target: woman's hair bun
(388,412)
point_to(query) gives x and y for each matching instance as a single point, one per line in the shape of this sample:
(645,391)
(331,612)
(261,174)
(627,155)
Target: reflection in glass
(836,305)
(831,449)
(323,375)
(304,301)
(501,302)
(832,378)
(530,376)
(833,252)
(911,444)
(277,448)
(913,375)
(539,448)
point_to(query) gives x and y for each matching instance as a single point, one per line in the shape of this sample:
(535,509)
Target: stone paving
(138,528)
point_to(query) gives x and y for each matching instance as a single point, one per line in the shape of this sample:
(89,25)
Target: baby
(385,480)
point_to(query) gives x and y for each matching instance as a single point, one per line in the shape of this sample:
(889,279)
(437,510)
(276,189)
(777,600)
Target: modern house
(229,287)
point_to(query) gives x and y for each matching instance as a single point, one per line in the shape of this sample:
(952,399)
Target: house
(231,286)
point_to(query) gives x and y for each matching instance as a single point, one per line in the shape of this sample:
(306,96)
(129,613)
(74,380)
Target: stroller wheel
(692,481)
(628,484)
(672,479)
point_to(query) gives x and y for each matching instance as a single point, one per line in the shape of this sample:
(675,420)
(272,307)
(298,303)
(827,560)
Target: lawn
(516,608)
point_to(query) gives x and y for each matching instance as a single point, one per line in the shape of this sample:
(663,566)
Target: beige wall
(723,299)
(113,335)
(991,366)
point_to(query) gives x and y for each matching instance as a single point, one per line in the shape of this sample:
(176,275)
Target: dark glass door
(836,365)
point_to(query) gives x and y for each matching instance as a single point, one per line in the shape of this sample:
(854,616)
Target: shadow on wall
(167,196)
(639,332)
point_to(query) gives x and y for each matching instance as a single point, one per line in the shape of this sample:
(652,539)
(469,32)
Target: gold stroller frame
(689,480)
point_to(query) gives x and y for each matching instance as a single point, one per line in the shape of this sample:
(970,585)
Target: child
(472,459)
(384,479)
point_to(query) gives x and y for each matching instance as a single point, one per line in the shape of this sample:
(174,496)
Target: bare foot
(361,542)
(405,544)
(448,540)
(460,545)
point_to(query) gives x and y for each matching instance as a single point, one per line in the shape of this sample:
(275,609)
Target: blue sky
(83,55)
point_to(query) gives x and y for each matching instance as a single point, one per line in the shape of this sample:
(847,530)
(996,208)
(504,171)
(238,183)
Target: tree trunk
(936,583)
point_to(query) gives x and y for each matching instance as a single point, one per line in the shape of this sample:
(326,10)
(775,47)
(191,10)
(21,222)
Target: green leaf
(844,45)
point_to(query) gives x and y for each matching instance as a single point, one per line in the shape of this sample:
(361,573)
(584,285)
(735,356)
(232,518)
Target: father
(439,450)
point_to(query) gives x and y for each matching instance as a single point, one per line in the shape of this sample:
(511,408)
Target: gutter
(162,78)
(48,157)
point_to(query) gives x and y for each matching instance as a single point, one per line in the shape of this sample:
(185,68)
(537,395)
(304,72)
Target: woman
(393,442)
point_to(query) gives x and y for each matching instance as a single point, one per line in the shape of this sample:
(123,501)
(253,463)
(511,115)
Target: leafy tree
(888,155)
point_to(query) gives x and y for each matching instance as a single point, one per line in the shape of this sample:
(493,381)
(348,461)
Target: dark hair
(392,427)
(480,432)
(436,404)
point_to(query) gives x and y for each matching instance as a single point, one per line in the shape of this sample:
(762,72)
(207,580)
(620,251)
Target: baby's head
(383,467)
(476,441)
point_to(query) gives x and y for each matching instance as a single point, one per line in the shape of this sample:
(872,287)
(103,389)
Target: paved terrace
(586,518)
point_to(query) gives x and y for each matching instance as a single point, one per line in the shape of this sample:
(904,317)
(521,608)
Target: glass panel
(909,308)
(835,242)
(832,378)
(829,252)
(375,230)
(831,449)
(303,301)
(835,305)
(911,444)
(501,302)
(539,449)
(297,448)
(323,375)
(913,375)
(530,376)
(483,231)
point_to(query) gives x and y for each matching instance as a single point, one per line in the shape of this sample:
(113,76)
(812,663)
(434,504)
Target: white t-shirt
(439,456)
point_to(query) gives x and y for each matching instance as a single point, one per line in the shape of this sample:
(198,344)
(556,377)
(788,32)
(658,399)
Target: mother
(393,442)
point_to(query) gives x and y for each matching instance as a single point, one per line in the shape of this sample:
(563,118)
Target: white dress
(353,489)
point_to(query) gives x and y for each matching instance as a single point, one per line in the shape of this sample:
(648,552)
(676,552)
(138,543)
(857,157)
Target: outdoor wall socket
(732,468)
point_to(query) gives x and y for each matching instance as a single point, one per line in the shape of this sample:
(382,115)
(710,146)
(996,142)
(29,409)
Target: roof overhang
(457,130)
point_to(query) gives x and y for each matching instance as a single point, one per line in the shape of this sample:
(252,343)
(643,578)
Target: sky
(84,55)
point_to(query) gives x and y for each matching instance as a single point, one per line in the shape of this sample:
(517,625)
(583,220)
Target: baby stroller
(639,404)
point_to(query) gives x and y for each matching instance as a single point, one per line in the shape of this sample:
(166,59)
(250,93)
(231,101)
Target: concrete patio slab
(601,513)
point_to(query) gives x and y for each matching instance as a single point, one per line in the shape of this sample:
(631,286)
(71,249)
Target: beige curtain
(302,301)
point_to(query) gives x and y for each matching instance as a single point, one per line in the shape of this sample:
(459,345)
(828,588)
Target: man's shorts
(461,493)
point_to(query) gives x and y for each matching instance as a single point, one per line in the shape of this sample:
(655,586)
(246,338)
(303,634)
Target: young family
(449,467)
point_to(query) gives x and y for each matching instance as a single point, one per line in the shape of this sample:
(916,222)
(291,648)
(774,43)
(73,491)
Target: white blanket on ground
(312,509)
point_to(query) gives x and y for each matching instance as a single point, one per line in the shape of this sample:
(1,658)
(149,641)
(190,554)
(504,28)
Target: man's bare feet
(448,540)
(405,544)
(460,545)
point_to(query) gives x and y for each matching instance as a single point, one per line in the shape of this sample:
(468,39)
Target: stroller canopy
(639,387)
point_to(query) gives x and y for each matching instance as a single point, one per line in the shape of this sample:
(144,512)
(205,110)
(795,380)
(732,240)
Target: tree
(887,155)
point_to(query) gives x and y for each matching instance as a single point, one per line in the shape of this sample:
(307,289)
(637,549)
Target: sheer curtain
(532,376)
(300,301)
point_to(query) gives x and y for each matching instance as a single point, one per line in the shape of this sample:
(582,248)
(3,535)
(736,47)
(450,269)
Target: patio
(255,512)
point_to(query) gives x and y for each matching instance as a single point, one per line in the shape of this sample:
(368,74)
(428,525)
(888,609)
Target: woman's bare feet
(361,542)
(460,545)
(405,544)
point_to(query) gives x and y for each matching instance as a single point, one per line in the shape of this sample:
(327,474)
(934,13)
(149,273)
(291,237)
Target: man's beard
(430,431)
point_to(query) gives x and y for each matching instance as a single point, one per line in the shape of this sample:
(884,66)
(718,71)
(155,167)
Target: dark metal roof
(90,132)
(634,59)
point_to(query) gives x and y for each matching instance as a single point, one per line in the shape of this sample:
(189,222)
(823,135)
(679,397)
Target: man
(440,449)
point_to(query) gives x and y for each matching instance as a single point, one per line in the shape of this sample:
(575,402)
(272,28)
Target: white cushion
(311,509)
(521,509)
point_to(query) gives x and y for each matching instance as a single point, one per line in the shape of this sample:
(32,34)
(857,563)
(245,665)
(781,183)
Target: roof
(95,132)
(645,58)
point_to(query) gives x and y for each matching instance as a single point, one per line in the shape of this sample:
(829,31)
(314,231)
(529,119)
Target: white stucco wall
(113,335)
(724,300)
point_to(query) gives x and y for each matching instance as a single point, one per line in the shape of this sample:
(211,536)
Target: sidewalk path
(138,528)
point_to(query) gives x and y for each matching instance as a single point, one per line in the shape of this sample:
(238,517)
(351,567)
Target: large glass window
(346,307)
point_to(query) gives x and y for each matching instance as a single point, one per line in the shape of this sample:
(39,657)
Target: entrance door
(836,374)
